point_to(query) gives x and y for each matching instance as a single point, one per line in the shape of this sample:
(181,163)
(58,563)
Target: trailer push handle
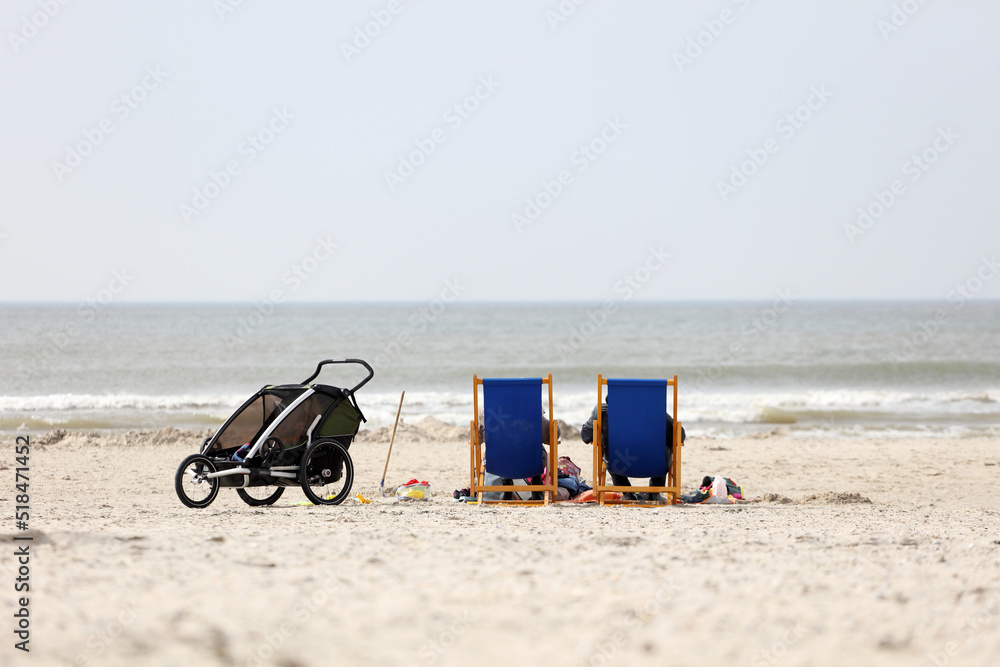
(371,373)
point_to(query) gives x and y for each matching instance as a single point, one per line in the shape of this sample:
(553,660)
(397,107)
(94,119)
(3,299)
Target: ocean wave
(888,413)
(570,406)
(68,402)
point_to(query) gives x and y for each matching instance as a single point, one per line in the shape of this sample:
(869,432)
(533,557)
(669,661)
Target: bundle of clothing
(717,489)
(571,485)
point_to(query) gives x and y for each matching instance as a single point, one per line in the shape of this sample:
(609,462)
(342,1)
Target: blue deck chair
(637,435)
(512,426)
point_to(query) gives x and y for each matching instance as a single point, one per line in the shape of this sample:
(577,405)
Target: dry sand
(862,552)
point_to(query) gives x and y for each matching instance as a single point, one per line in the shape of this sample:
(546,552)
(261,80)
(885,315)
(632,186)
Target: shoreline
(428,427)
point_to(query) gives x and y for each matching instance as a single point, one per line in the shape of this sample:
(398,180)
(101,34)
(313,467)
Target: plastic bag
(414,490)
(718,490)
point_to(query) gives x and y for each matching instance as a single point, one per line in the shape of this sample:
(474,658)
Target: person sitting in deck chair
(537,479)
(587,433)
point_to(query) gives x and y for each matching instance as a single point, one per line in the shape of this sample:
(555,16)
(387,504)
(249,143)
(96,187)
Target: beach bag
(566,468)
(571,483)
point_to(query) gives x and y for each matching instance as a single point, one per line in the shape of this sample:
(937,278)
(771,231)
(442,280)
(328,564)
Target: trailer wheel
(326,473)
(256,496)
(193,486)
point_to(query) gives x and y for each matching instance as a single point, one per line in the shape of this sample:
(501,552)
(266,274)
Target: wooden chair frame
(477,464)
(673,487)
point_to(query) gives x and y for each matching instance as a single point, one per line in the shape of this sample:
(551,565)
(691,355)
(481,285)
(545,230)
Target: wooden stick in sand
(381,485)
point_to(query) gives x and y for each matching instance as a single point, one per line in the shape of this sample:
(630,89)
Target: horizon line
(509,302)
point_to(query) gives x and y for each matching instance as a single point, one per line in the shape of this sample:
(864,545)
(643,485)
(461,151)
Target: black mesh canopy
(256,415)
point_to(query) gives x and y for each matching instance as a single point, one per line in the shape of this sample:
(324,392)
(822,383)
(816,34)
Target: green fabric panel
(344,420)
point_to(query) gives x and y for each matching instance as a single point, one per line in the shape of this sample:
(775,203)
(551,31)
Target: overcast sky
(527,149)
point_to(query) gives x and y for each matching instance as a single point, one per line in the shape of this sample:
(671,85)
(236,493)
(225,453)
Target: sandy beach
(268,221)
(849,552)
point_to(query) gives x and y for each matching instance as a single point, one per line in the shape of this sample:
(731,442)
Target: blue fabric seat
(512,410)
(637,433)
(512,427)
(638,436)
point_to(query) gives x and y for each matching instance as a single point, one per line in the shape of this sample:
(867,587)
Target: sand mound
(567,431)
(832,498)
(764,435)
(428,429)
(50,438)
(158,438)
(432,429)
(439,430)
(829,498)
(773,498)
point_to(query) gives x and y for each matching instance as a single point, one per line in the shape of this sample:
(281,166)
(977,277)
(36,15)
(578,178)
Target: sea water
(807,369)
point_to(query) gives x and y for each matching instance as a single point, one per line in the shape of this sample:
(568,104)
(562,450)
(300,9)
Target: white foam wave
(885,413)
(67,402)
